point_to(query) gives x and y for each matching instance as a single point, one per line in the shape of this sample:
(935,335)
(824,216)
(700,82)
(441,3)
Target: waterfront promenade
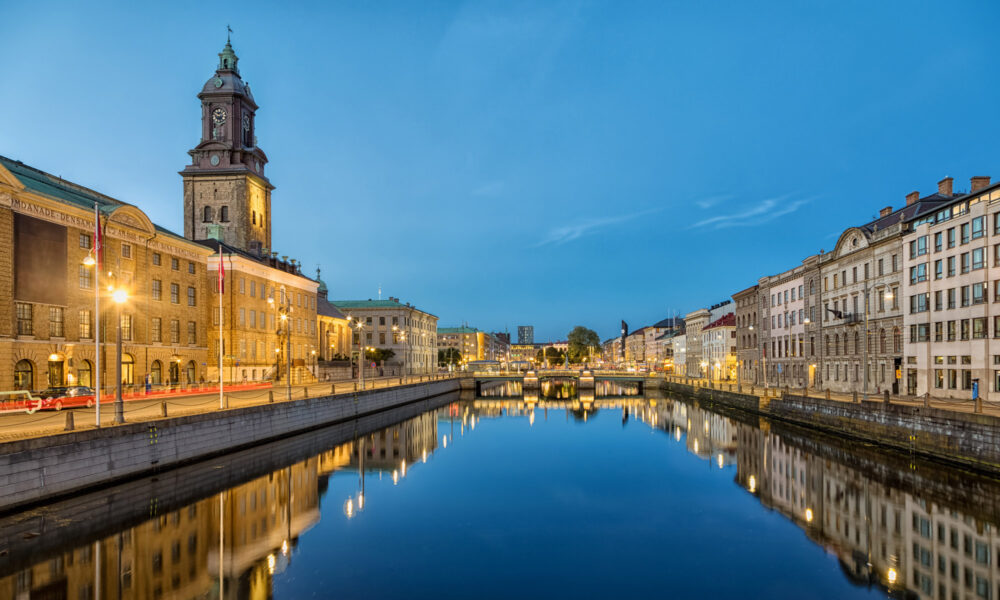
(21,425)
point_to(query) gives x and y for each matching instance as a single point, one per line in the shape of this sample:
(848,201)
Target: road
(20,425)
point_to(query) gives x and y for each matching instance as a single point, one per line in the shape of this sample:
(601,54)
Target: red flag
(98,242)
(222,273)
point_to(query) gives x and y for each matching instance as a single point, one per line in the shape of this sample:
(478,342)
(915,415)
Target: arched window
(206,214)
(128,369)
(156,373)
(224,214)
(191,372)
(24,375)
(85,374)
(881,340)
(897,340)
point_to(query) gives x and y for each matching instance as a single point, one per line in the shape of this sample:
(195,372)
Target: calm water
(625,496)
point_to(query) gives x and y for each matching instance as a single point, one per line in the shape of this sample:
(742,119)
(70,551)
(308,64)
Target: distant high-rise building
(525,334)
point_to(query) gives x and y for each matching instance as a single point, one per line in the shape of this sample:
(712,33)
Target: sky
(524,163)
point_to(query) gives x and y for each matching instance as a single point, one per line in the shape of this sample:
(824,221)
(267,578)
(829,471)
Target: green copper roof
(56,188)
(348,304)
(457,330)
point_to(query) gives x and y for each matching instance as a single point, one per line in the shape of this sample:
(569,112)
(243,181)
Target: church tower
(226,195)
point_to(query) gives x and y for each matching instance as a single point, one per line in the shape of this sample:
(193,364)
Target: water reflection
(560,388)
(888,527)
(907,527)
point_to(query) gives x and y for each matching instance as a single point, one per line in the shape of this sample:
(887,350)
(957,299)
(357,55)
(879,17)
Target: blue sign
(975,389)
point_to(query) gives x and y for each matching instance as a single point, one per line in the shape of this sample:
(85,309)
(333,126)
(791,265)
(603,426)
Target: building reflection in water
(240,538)
(882,536)
(902,527)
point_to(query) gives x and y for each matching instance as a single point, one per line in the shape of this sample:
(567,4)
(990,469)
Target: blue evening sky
(505,163)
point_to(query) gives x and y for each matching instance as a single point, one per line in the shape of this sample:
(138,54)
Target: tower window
(254,217)
(224,214)
(206,215)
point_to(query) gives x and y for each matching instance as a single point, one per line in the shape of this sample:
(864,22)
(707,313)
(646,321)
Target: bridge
(532,380)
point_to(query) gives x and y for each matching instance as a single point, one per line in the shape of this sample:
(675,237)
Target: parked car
(67,397)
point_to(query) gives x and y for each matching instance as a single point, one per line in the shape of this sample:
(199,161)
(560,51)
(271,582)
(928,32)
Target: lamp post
(119,296)
(361,355)
(284,309)
(91,261)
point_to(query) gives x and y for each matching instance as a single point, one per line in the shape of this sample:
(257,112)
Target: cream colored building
(951,260)
(390,324)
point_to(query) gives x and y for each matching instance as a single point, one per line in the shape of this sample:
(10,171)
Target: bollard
(927,400)
(333,388)
(163,409)
(827,394)
(885,398)
(355,386)
(69,421)
(979,405)
(854,397)
(751,390)
(270,396)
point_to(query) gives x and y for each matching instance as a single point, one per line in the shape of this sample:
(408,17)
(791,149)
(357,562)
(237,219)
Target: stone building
(406,330)
(47,292)
(694,322)
(334,329)
(868,259)
(718,348)
(787,350)
(747,334)
(950,259)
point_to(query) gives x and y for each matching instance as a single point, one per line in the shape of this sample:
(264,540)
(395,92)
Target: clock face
(214,160)
(246,122)
(219,116)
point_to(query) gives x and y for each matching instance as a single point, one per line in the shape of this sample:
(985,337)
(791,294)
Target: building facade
(950,326)
(718,347)
(526,334)
(861,284)
(390,324)
(788,352)
(747,335)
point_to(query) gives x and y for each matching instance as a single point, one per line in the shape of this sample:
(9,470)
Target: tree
(449,356)
(555,356)
(581,341)
(380,354)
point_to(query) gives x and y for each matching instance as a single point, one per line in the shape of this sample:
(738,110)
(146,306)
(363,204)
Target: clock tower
(226,195)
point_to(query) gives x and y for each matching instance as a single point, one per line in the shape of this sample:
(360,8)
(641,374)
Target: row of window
(966,295)
(788,295)
(175,293)
(838,307)
(840,279)
(25,324)
(126,252)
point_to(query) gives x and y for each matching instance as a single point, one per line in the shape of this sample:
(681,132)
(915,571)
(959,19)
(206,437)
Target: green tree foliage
(581,341)
(555,356)
(449,356)
(380,354)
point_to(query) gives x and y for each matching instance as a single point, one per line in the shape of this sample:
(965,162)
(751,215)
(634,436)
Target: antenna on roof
(380,291)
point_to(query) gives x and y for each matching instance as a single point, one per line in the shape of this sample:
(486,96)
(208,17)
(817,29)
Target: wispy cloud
(568,233)
(706,203)
(764,211)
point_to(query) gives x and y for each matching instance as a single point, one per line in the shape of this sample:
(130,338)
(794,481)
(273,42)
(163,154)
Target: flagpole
(221,289)
(97,313)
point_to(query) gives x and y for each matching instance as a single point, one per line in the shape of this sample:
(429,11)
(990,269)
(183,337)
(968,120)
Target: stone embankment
(971,440)
(41,469)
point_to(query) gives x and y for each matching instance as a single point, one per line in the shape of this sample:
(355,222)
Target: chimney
(944,186)
(979,182)
(912,197)
(885,212)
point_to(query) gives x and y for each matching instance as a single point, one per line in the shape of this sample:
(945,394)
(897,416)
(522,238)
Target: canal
(615,494)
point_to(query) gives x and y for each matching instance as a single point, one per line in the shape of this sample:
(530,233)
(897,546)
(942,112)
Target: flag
(98,242)
(222,273)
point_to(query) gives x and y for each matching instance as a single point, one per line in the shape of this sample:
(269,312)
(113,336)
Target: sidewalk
(964,406)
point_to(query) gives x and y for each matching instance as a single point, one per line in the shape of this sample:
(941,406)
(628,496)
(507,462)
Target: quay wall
(972,440)
(45,468)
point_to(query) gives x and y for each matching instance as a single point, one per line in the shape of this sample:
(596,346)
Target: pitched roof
(457,330)
(727,320)
(327,309)
(910,212)
(57,188)
(362,304)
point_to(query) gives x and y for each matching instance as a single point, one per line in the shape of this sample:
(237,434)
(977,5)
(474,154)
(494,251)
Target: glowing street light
(120,296)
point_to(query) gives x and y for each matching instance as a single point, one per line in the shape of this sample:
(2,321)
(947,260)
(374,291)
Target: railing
(26,420)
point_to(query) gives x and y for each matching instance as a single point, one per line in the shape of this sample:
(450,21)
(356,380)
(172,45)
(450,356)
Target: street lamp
(284,310)
(361,355)
(120,296)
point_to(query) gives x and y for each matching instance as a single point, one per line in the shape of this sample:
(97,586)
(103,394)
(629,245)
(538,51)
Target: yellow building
(47,290)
